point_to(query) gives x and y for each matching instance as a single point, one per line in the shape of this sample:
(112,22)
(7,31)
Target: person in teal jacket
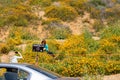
(46,48)
(45,45)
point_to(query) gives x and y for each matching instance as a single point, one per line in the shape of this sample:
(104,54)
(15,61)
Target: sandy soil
(112,77)
(109,77)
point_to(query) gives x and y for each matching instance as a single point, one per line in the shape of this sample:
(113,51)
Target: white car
(10,71)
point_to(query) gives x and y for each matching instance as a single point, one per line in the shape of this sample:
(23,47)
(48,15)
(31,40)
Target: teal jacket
(46,47)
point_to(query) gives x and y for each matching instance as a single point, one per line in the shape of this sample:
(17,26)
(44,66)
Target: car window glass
(2,72)
(23,75)
(44,71)
(15,70)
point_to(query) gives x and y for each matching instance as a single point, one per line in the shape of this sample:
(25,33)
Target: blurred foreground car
(12,71)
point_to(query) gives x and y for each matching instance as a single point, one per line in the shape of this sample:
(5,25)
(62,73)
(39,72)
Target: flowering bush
(65,13)
(4,48)
(112,67)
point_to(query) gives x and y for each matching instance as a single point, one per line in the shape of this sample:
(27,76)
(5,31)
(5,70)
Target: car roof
(14,64)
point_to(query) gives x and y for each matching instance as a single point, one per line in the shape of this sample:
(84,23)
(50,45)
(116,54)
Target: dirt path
(112,77)
(4,32)
(109,77)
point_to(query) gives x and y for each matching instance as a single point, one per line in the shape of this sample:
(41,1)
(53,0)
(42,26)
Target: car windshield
(44,71)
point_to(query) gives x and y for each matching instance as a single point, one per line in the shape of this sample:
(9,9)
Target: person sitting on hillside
(46,47)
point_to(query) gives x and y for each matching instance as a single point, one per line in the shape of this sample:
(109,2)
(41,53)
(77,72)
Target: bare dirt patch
(112,77)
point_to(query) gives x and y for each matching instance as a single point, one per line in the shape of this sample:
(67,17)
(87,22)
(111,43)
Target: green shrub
(112,14)
(53,46)
(80,45)
(2,22)
(112,67)
(91,44)
(115,57)
(28,36)
(14,41)
(51,21)
(61,32)
(43,3)
(21,22)
(97,3)
(74,45)
(75,66)
(65,13)
(19,15)
(57,29)
(112,30)
(79,5)
(108,46)
(98,25)
(22,33)
(110,39)
(11,19)
(4,49)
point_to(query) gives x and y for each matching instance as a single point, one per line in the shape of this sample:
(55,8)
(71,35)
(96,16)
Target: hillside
(84,35)
(77,27)
(76,15)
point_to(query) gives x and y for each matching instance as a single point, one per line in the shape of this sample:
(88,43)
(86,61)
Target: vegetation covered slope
(27,22)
